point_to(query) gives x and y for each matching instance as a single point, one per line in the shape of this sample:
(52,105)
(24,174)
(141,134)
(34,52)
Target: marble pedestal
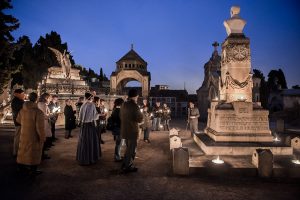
(238,121)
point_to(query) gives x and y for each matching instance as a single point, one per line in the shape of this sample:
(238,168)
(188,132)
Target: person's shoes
(54,139)
(118,159)
(102,142)
(44,157)
(147,141)
(51,145)
(129,170)
(36,172)
(66,137)
(70,136)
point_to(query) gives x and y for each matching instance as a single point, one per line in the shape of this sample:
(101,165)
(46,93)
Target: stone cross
(215,45)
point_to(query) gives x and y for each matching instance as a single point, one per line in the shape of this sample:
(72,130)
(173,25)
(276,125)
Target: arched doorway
(130,67)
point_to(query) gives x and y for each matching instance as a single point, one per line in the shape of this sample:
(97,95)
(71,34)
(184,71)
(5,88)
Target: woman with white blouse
(88,149)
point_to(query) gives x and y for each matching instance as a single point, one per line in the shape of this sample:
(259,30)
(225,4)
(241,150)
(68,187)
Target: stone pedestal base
(210,147)
(236,137)
(238,121)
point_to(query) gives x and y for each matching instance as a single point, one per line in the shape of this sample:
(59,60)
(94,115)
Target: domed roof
(132,55)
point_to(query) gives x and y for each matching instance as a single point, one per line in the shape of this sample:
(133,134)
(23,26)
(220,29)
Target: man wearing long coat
(32,135)
(130,116)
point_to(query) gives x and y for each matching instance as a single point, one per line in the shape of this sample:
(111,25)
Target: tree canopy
(8,23)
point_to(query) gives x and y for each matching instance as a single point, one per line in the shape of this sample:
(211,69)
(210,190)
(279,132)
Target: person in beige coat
(32,135)
(43,102)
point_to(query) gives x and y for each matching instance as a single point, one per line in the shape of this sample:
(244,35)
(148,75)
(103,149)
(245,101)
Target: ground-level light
(218,161)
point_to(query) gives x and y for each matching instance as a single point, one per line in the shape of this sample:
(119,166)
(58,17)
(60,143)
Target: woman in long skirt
(88,149)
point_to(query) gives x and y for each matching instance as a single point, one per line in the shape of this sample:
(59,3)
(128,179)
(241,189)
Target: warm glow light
(218,161)
(242,98)
(105,110)
(276,139)
(297,162)
(141,110)
(56,109)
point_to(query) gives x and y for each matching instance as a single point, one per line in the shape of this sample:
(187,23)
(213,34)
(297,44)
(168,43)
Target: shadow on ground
(63,178)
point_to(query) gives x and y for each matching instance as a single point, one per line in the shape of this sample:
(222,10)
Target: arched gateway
(130,67)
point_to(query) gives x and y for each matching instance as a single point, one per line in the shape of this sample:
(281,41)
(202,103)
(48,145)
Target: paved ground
(63,178)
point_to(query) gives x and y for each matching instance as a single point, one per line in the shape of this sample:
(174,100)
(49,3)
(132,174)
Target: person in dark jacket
(146,126)
(157,114)
(54,110)
(70,119)
(116,121)
(166,117)
(16,106)
(130,116)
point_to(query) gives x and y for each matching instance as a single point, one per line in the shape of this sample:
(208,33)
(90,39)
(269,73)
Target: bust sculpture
(235,24)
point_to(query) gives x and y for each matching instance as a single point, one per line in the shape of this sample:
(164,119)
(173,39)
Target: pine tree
(101,76)
(8,23)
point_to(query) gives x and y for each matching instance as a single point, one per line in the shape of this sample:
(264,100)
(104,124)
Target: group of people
(35,120)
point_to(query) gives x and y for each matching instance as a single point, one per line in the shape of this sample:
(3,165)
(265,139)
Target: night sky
(173,36)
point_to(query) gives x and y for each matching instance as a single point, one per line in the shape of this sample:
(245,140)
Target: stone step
(210,147)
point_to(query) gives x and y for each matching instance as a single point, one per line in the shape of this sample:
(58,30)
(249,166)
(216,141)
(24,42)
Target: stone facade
(130,67)
(209,89)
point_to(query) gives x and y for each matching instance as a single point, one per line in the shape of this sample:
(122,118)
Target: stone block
(280,125)
(263,160)
(175,142)
(288,141)
(173,131)
(181,161)
(295,142)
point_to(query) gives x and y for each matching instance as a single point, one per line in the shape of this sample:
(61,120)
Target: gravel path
(63,178)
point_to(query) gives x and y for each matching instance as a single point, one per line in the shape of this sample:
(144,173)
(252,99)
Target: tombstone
(181,161)
(280,125)
(175,142)
(288,141)
(173,131)
(295,142)
(263,161)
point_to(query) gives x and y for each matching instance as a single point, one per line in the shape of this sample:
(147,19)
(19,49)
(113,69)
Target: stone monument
(236,125)
(234,117)
(64,81)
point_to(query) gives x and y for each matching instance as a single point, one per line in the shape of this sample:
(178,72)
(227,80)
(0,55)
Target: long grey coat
(130,115)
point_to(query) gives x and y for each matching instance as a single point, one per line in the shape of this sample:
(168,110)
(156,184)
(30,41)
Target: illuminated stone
(181,161)
(263,160)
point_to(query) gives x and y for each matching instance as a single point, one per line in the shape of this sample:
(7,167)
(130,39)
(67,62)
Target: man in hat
(130,116)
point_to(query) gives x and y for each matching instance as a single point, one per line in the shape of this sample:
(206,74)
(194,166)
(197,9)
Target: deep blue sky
(173,36)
